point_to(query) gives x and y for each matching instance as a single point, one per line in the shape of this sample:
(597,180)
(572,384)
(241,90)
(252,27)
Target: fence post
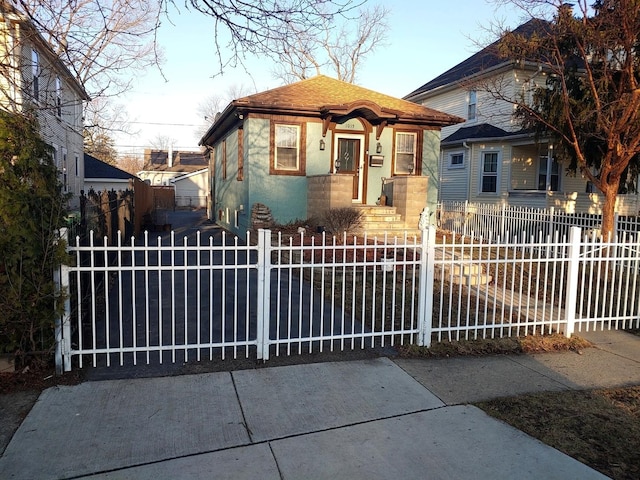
(571,294)
(264,294)
(425,292)
(465,217)
(550,222)
(62,325)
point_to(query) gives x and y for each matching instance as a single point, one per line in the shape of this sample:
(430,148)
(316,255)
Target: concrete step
(466,274)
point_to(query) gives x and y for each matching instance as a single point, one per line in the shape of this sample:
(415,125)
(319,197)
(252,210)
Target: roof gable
(486,59)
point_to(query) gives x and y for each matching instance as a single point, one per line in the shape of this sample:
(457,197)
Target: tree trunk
(609,211)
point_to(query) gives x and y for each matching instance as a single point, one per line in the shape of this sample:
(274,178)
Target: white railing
(169,300)
(520,224)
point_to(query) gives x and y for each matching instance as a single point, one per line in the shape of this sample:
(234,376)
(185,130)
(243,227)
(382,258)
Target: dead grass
(600,428)
(494,346)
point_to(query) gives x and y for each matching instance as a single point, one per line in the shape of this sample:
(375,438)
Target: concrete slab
(283,401)
(621,343)
(454,443)
(100,426)
(593,368)
(473,379)
(250,462)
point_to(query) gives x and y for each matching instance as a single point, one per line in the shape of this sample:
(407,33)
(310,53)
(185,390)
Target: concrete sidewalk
(359,419)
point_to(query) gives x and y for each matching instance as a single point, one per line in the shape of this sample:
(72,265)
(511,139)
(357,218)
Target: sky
(425,38)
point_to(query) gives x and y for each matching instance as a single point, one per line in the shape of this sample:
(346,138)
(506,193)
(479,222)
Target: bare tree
(211,106)
(339,47)
(162,142)
(266,27)
(130,163)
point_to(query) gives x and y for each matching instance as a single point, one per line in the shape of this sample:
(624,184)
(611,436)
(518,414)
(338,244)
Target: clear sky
(425,38)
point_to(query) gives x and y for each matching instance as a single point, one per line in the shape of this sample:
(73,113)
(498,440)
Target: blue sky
(425,38)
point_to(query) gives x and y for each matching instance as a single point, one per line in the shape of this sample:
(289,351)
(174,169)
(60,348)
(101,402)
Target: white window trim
(298,129)
(498,173)
(474,94)
(450,163)
(415,153)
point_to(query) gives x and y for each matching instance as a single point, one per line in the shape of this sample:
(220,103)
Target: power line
(169,124)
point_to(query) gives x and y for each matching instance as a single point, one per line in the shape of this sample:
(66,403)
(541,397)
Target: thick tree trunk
(609,211)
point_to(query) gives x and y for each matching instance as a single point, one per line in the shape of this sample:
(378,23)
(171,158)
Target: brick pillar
(410,198)
(328,191)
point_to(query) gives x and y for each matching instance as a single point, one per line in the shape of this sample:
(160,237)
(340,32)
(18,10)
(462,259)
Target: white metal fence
(520,224)
(169,300)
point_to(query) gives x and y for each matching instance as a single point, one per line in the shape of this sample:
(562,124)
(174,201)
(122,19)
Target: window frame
(240,174)
(484,174)
(58,105)
(35,75)
(300,168)
(472,105)
(396,152)
(454,166)
(548,161)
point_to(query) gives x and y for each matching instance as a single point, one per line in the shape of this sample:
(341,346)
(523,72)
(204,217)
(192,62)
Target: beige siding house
(489,158)
(35,79)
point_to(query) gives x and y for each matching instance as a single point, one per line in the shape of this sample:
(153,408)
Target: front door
(349,161)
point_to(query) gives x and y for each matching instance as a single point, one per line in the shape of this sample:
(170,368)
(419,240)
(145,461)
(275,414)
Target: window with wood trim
(240,176)
(405,153)
(287,149)
(224,159)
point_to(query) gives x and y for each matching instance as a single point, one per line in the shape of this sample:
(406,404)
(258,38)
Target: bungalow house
(489,158)
(294,152)
(187,172)
(34,79)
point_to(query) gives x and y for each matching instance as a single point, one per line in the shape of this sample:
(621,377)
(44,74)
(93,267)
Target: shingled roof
(94,168)
(322,96)
(485,60)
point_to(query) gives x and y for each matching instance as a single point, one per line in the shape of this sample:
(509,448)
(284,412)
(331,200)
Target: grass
(600,428)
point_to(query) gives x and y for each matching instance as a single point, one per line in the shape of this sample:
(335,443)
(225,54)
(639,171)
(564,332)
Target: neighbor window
(58,97)
(471,113)
(405,153)
(548,174)
(287,149)
(35,71)
(489,173)
(456,160)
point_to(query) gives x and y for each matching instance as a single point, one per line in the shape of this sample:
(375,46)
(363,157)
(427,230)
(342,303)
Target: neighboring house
(35,79)
(192,189)
(186,171)
(489,158)
(314,142)
(101,176)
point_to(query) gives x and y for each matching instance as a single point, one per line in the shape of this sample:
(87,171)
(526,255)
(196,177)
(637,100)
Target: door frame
(362,170)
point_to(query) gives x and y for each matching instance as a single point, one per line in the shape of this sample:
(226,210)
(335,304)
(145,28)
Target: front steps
(378,220)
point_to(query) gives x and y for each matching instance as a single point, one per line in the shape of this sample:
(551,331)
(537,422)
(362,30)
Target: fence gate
(169,300)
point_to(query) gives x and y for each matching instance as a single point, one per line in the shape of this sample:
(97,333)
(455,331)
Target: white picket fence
(521,224)
(168,300)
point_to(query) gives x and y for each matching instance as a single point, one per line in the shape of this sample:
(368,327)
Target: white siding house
(35,79)
(489,158)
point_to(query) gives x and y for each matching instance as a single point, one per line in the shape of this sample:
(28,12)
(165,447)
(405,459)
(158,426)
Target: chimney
(170,157)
